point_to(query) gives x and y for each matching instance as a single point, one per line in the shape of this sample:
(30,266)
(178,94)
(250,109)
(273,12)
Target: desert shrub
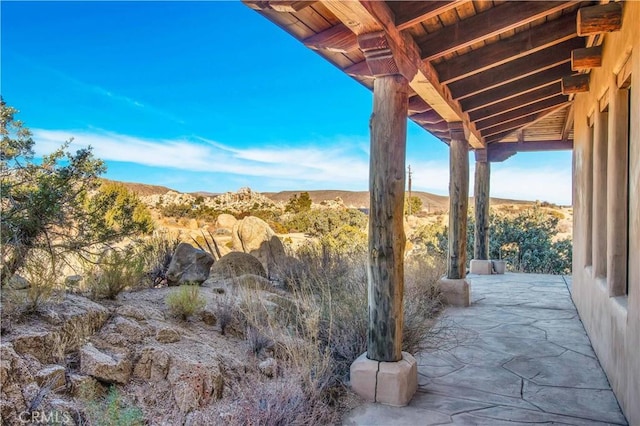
(347,239)
(412,205)
(258,341)
(430,239)
(115,271)
(112,410)
(299,203)
(158,252)
(185,301)
(41,271)
(319,222)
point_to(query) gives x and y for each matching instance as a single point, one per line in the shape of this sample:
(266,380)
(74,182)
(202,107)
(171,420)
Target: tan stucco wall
(613,323)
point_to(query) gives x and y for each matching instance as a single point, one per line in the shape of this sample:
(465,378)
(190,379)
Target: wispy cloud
(330,164)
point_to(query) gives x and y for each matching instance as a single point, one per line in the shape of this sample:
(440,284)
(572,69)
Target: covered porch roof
(506,70)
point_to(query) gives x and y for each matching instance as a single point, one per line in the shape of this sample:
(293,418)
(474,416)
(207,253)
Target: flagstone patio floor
(518,355)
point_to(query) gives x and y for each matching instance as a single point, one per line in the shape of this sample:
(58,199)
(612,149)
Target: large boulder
(189,265)
(235,264)
(254,236)
(225,221)
(104,366)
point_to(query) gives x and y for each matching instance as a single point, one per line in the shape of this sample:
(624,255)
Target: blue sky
(211,96)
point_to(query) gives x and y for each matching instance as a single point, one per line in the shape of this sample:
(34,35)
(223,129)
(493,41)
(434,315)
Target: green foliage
(430,239)
(185,301)
(347,240)
(115,271)
(112,410)
(299,204)
(319,222)
(49,204)
(412,205)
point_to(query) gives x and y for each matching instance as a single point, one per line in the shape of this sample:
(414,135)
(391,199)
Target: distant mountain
(143,189)
(356,199)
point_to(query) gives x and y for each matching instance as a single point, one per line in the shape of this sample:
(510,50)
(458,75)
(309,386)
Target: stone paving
(520,356)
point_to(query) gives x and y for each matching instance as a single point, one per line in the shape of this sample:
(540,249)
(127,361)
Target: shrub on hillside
(319,222)
(115,271)
(185,301)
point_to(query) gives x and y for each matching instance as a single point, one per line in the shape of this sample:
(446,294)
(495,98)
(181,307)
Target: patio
(523,357)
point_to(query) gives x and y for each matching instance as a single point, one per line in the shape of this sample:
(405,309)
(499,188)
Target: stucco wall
(612,322)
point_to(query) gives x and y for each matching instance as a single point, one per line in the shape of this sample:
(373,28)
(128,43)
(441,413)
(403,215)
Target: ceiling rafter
(514,70)
(484,25)
(517,87)
(522,111)
(514,47)
(408,13)
(498,108)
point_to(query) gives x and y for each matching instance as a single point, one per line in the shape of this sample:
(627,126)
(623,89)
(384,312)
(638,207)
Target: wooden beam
(516,88)
(521,112)
(536,95)
(427,117)
(417,105)
(482,199)
(408,14)
(514,47)
(386,228)
(458,202)
(603,18)
(577,83)
(522,67)
(484,25)
(371,16)
(586,58)
(338,38)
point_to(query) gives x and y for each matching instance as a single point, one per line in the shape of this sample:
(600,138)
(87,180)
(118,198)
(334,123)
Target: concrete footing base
(390,383)
(481,267)
(456,292)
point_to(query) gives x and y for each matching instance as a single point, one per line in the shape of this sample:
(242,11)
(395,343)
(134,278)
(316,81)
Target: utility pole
(409,203)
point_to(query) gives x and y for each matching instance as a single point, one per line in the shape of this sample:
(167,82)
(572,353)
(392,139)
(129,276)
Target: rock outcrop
(254,236)
(236,264)
(189,265)
(104,366)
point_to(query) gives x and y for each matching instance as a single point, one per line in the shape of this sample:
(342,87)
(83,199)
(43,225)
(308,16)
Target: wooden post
(386,232)
(458,201)
(617,190)
(481,195)
(599,234)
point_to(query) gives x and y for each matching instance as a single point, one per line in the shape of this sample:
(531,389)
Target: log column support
(384,373)
(481,263)
(386,231)
(455,288)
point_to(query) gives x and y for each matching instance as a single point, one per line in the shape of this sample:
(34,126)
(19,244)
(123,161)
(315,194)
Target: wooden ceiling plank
(535,119)
(511,48)
(603,18)
(576,83)
(533,96)
(289,6)
(407,14)
(338,38)
(553,145)
(568,124)
(509,127)
(515,88)
(485,25)
(586,58)
(505,73)
(520,112)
